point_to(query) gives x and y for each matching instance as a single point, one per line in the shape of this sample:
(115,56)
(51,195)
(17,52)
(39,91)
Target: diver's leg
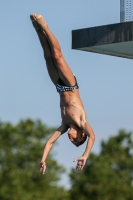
(51,67)
(64,71)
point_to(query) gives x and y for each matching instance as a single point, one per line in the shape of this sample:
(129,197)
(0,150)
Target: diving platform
(112,39)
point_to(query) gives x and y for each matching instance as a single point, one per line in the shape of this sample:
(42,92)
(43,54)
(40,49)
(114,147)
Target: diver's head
(76,135)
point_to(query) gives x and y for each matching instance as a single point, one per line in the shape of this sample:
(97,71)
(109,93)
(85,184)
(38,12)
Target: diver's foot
(38,22)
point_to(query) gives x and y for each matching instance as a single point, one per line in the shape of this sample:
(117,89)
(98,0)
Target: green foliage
(21,146)
(109,175)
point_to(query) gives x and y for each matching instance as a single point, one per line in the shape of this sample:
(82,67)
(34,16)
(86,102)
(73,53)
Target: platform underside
(124,49)
(114,39)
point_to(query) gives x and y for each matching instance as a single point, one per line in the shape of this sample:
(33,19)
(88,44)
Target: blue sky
(26,91)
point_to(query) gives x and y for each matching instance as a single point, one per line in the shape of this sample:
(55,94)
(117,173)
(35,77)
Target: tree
(21,146)
(109,175)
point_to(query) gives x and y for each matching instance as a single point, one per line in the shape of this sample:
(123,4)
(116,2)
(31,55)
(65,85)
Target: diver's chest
(71,110)
(72,115)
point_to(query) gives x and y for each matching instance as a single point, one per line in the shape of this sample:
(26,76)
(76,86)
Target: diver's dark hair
(82,140)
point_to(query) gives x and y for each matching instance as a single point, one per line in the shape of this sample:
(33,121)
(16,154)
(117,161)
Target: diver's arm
(62,129)
(91,138)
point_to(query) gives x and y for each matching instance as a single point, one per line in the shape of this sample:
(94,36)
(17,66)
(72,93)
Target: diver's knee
(57,54)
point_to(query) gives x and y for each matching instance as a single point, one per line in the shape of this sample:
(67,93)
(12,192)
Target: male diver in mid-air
(72,109)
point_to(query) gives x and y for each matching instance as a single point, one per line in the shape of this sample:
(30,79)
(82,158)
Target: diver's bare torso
(72,109)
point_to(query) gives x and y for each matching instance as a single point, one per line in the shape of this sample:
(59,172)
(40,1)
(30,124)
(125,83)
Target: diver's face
(74,135)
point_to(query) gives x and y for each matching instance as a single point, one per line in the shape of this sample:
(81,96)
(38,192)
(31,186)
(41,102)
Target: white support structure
(126,10)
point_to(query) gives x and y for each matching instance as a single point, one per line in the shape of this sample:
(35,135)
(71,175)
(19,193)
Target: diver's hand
(42,167)
(81,163)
